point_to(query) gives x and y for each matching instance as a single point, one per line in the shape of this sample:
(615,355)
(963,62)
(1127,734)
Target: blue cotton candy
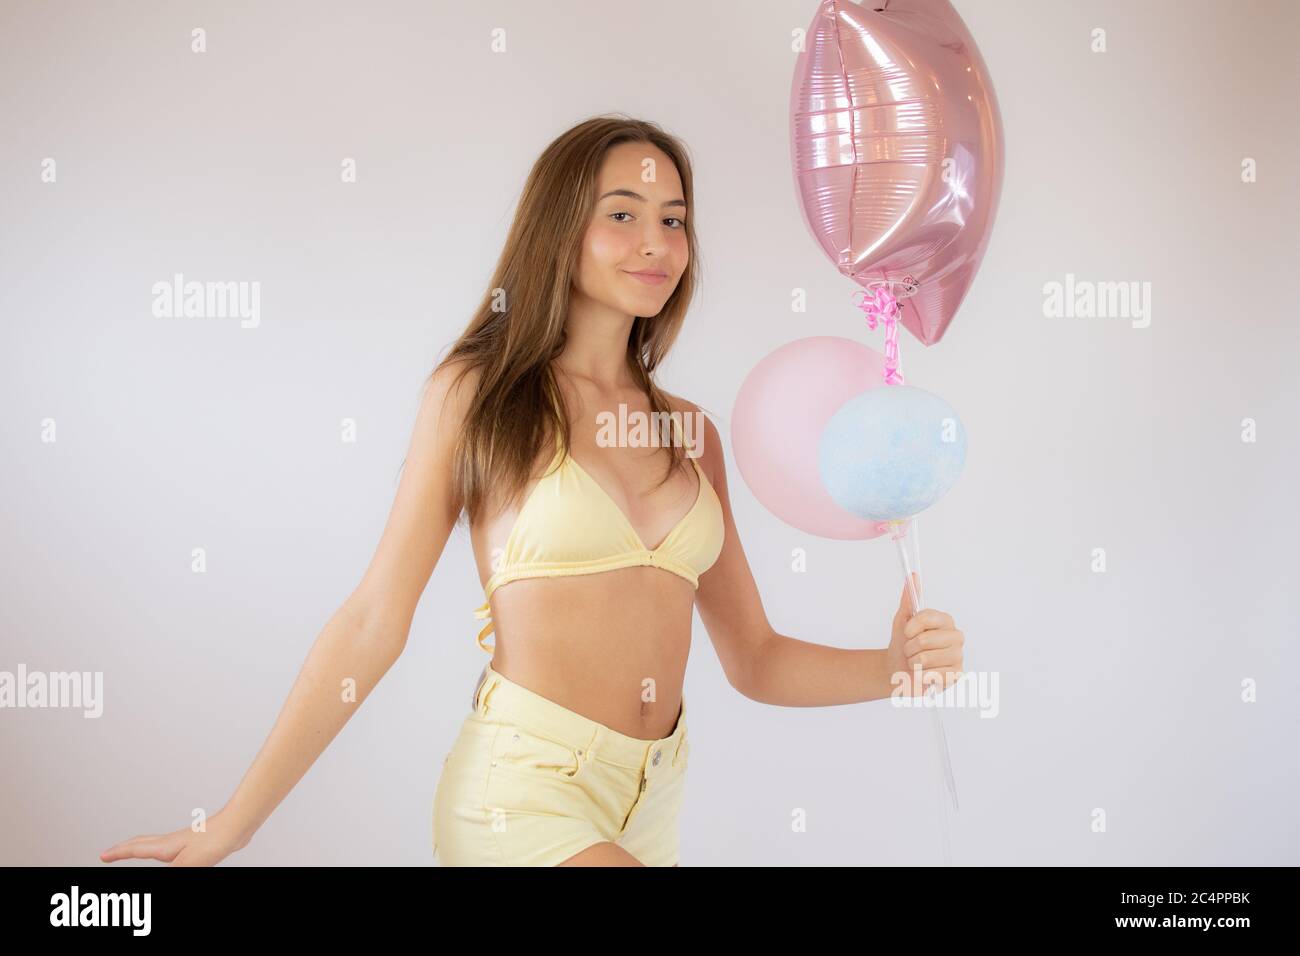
(883,456)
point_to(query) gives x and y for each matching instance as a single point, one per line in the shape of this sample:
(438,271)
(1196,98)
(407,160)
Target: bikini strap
(682,435)
(482,613)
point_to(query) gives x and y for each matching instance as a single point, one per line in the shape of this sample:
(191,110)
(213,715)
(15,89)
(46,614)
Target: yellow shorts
(531,783)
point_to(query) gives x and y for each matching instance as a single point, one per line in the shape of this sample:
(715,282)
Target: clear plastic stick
(946,779)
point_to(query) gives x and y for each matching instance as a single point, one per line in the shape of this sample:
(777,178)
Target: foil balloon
(896,146)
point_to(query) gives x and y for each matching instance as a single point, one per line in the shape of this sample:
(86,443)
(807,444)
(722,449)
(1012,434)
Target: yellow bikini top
(569,525)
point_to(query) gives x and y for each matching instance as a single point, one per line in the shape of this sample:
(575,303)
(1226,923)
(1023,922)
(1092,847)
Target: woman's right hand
(184,847)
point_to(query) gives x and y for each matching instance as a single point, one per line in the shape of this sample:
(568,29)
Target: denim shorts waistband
(498,694)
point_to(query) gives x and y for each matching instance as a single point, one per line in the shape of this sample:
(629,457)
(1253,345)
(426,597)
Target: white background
(1118,690)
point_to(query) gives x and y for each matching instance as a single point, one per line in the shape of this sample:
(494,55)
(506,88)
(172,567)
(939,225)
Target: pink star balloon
(896,145)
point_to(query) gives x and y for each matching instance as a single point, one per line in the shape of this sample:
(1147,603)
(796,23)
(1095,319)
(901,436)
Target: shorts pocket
(524,750)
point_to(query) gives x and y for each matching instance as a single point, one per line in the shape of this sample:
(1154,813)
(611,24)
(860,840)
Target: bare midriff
(610,646)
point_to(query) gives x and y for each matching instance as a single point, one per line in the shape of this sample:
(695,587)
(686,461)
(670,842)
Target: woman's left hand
(925,649)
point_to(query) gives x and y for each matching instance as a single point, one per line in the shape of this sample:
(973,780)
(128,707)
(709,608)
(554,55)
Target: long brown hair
(518,328)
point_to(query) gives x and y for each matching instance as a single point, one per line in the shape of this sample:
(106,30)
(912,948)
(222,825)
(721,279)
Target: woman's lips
(648,278)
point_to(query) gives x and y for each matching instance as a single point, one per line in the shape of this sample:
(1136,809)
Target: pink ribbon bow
(880,305)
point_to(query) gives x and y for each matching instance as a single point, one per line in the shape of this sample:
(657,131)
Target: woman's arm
(775,669)
(356,647)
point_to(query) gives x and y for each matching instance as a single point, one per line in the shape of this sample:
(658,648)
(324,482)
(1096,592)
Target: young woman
(592,548)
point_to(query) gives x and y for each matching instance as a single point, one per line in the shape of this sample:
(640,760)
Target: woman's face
(637,226)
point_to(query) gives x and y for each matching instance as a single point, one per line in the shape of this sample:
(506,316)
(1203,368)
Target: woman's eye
(680,223)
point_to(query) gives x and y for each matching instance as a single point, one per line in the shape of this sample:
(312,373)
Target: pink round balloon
(896,146)
(780,413)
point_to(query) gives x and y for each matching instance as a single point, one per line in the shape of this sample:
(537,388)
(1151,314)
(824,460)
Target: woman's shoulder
(448,395)
(701,433)
(678,404)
